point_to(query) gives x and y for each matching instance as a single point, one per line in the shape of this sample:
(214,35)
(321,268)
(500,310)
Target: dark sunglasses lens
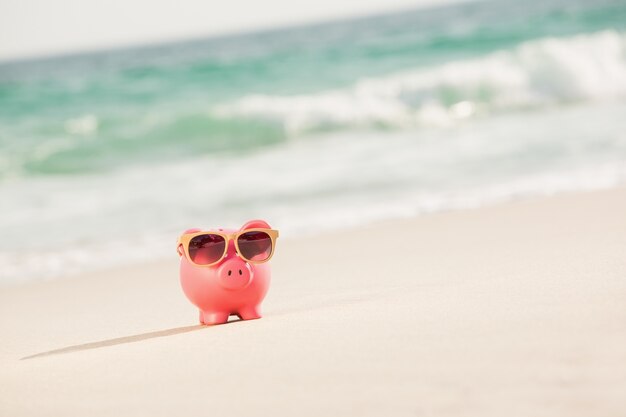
(255,246)
(206,249)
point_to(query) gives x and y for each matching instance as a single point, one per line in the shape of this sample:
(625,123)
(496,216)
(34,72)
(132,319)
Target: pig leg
(213,317)
(249,313)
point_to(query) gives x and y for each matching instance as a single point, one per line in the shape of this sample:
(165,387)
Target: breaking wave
(548,71)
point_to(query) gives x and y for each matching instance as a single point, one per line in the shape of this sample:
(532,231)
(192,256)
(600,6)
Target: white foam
(83,125)
(314,217)
(539,72)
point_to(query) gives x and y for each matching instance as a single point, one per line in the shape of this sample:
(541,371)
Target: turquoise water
(105,157)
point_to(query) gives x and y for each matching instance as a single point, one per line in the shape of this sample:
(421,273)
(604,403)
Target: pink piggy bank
(225,272)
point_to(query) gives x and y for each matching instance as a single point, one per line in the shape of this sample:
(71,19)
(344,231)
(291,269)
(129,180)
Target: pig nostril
(229,272)
(240,273)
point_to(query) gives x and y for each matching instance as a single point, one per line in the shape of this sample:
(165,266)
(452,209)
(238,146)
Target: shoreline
(516,308)
(390,221)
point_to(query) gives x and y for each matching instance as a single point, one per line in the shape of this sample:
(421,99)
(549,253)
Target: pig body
(231,287)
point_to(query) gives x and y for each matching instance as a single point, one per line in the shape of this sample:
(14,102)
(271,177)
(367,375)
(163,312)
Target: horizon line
(262,29)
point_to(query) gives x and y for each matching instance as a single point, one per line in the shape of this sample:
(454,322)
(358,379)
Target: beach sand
(513,310)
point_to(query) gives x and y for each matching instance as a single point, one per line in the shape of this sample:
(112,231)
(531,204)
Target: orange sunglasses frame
(185,239)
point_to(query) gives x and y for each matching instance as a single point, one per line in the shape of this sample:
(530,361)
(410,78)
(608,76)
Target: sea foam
(535,73)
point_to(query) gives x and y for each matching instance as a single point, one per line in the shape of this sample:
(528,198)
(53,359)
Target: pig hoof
(213,318)
(249,313)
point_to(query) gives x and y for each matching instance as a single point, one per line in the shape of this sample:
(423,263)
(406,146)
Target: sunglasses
(209,248)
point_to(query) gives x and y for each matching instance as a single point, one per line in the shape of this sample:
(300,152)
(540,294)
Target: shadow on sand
(121,340)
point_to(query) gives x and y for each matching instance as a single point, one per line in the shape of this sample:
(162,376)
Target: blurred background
(113,140)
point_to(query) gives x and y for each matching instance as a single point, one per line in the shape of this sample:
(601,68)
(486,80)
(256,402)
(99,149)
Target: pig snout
(234,274)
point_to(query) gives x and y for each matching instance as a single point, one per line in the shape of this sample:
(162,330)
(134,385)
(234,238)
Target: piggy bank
(226,272)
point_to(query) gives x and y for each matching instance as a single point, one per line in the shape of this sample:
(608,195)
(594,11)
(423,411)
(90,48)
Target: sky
(46,27)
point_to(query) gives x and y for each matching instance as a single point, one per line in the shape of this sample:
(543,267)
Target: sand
(512,310)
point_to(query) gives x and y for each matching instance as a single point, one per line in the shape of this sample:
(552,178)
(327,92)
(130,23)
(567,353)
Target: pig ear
(252,224)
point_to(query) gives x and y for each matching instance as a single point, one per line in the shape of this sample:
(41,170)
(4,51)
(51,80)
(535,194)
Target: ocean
(106,157)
